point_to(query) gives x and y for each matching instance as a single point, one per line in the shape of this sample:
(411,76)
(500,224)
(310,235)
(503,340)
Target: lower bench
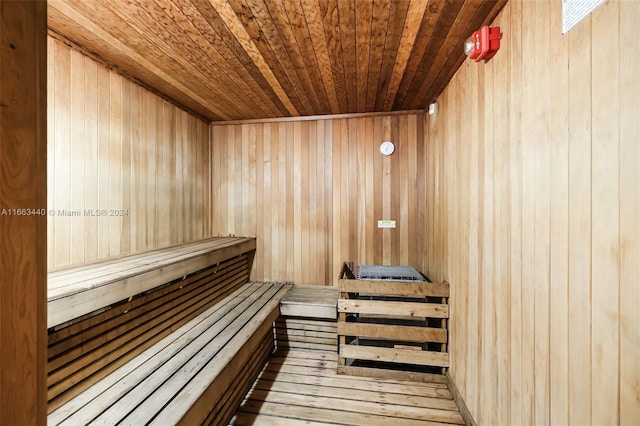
(197,374)
(308,320)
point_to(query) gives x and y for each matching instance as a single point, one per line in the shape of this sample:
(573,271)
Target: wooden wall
(312,191)
(23,174)
(534,218)
(116,146)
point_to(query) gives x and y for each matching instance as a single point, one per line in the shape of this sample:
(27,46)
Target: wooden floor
(302,387)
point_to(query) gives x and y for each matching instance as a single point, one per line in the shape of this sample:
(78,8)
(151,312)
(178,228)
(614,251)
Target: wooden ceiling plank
(253,27)
(423,47)
(346,19)
(221,36)
(243,59)
(278,15)
(300,29)
(330,22)
(417,9)
(311,11)
(233,23)
(233,82)
(452,65)
(102,42)
(152,21)
(397,17)
(272,38)
(132,20)
(409,87)
(472,14)
(364,15)
(251,91)
(379,29)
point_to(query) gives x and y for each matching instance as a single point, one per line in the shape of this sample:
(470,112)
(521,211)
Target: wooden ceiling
(248,59)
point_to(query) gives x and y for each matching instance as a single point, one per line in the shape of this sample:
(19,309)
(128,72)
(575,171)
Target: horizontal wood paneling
(116,147)
(297,333)
(313,191)
(239,59)
(533,214)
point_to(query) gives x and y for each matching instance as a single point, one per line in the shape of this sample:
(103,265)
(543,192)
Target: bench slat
(179,369)
(234,360)
(184,404)
(101,273)
(74,270)
(97,325)
(94,400)
(154,391)
(124,268)
(124,345)
(94,363)
(87,295)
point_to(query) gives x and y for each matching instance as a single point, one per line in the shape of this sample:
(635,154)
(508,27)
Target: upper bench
(77,291)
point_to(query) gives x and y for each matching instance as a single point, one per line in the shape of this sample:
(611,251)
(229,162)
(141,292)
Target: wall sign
(386,224)
(574,11)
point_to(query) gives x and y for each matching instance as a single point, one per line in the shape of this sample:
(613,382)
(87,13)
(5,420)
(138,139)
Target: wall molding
(318,117)
(462,406)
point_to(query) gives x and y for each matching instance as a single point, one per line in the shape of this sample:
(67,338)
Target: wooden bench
(77,291)
(175,335)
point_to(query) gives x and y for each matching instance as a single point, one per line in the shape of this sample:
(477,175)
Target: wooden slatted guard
(392,324)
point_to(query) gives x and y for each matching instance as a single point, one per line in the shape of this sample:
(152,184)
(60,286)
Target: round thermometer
(387,148)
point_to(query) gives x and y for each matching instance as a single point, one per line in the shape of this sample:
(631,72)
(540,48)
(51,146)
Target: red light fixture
(483,44)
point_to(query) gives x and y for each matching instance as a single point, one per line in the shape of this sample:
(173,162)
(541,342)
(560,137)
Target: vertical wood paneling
(541,118)
(515,209)
(323,187)
(23,175)
(502,193)
(51,79)
(543,230)
(91,157)
(288,220)
(77,150)
(629,292)
(580,86)
(113,146)
(114,188)
(386,193)
(488,335)
(61,158)
(529,141)
(559,229)
(605,210)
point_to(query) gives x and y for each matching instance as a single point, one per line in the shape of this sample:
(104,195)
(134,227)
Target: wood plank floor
(302,387)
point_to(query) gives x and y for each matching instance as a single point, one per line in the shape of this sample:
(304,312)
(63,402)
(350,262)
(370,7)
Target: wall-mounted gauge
(387,148)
